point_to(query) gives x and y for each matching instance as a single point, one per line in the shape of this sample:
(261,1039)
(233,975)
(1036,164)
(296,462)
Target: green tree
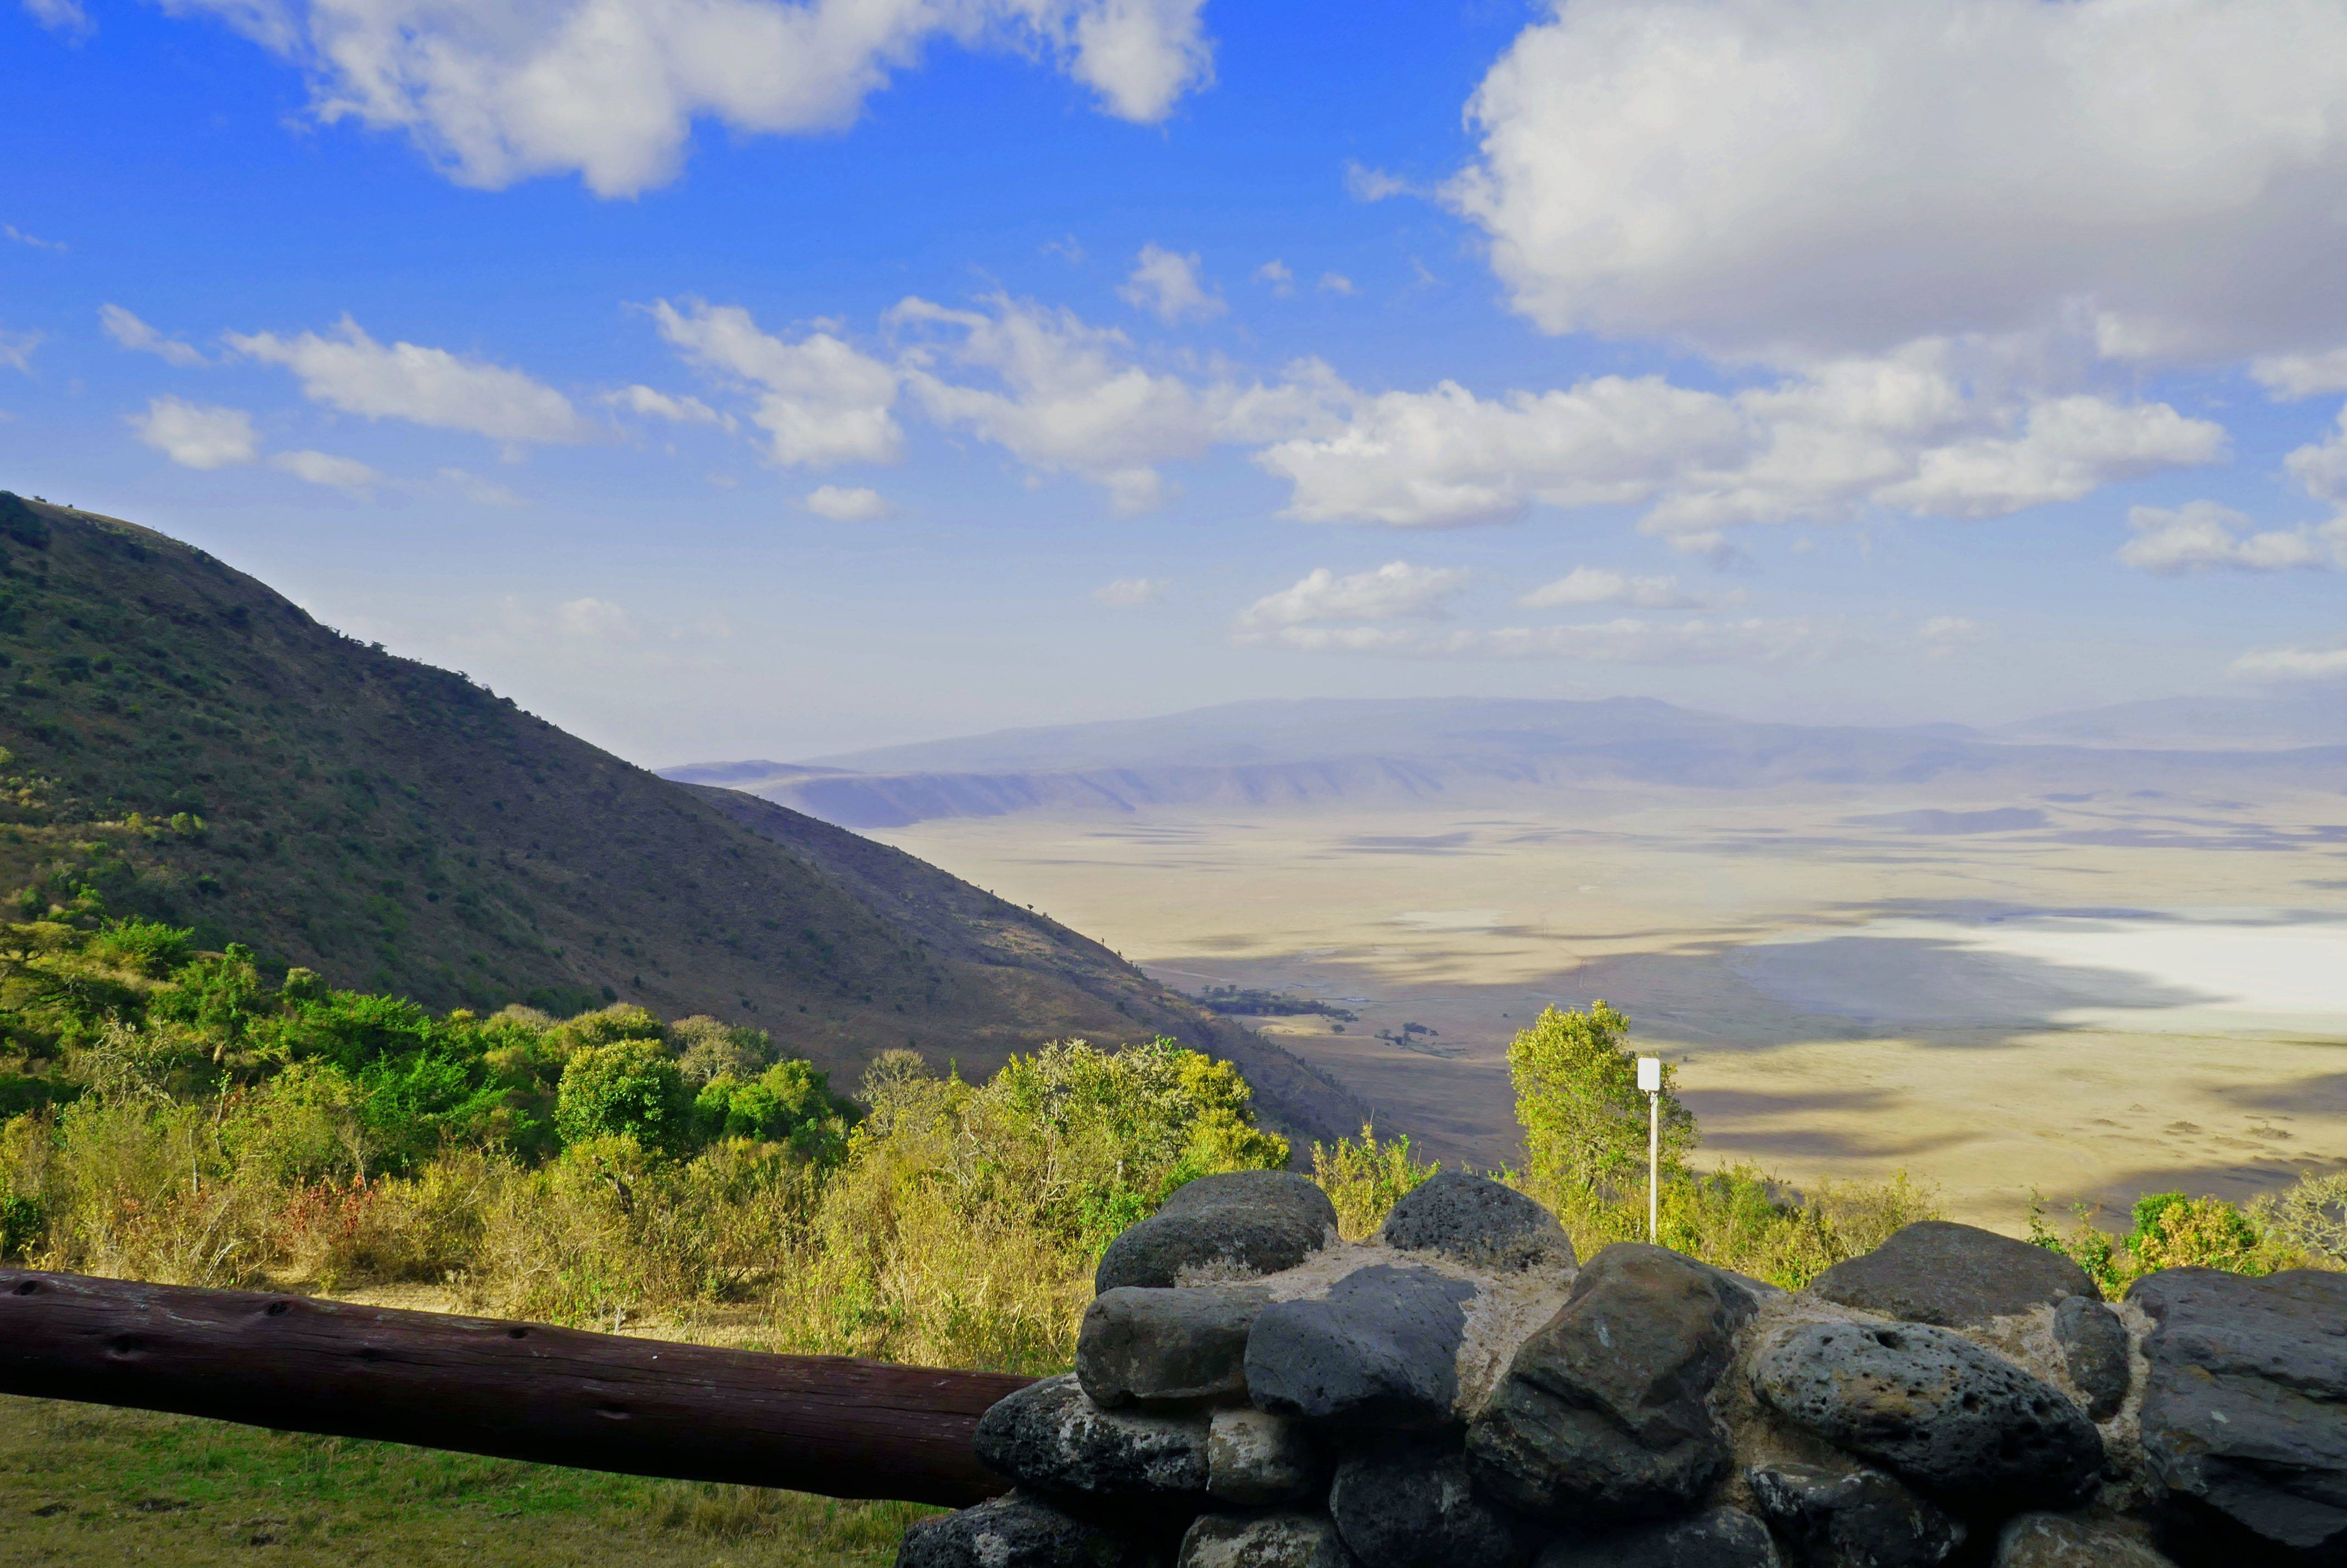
(791,1102)
(1577,1100)
(627,1088)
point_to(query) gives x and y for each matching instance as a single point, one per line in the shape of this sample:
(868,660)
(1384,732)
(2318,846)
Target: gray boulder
(1724,1538)
(2245,1408)
(1048,1437)
(1146,1345)
(1017,1531)
(2057,1540)
(1254,1458)
(2094,1351)
(1382,1346)
(1264,1541)
(1603,1414)
(1478,1222)
(1228,1226)
(1946,1415)
(1852,1517)
(1411,1507)
(1957,1276)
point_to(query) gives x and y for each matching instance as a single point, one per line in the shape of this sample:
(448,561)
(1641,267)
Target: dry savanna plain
(2074,1003)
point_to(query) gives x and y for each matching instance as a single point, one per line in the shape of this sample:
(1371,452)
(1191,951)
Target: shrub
(2170,1230)
(627,1088)
(706,1048)
(1364,1180)
(2311,1215)
(791,1103)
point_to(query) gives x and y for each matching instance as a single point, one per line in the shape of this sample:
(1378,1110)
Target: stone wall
(1250,1393)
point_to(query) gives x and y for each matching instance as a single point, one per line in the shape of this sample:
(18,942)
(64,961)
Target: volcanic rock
(1229,1226)
(1478,1222)
(1603,1412)
(1946,1415)
(1957,1276)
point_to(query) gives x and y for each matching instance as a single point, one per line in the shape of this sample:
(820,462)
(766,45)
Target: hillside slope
(182,741)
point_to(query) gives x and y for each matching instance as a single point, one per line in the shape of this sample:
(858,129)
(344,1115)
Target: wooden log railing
(827,1424)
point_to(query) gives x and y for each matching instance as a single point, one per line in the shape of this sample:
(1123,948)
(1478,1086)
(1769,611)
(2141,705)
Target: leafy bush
(2170,1230)
(2311,1215)
(1364,1180)
(627,1088)
(790,1104)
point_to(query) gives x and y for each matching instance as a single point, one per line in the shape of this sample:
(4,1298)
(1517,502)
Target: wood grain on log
(827,1424)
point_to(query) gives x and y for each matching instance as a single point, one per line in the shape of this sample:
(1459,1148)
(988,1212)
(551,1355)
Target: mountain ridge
(1388,752)
(182,741)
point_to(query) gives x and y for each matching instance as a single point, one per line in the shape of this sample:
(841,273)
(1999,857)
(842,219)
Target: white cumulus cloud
(17,349)
(819,400)
(2201,536)
(1278,274)
(1596,585)
(1396,591)
(59,15)
(197,435)
(1806,177)
(350,371)
(657,405)
(1911,431)
(2293,664)
(345,474)
(844,504)
(129,331)
(1063,397)
(1166,284)
(500,90)
(1627,639)
(1128,592)
(2287,375)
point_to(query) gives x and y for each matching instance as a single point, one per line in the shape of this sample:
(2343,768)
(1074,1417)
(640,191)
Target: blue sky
(732,377)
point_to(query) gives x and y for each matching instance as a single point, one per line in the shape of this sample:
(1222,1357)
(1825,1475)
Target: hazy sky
(733,377)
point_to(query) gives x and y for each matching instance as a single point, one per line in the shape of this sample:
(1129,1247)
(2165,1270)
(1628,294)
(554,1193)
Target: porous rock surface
(2094,1352)
(1956,1276)
(2245,1410)
(1852,1517)
(1252,1392)
(1253,1457)
(1478,1222)
(1015,1530)
(1264,1541)
(1231,1227)
(2060,1540)
(1604,1412)
(1723,1538)
(1162,1345)
(1946,1415)
(1408,1506)
(1381,1346)
(1049,1438)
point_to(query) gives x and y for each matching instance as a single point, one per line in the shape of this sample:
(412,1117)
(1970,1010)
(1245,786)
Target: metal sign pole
(1650,1079)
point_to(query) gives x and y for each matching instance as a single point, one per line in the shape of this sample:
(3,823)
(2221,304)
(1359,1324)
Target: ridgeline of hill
(1402,753)
(178,740)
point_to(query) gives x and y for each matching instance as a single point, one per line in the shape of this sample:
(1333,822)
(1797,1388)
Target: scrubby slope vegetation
(180,742)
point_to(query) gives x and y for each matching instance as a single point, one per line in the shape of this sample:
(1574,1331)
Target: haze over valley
(2009,966)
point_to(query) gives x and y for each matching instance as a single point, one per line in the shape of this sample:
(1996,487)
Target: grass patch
(83,1484)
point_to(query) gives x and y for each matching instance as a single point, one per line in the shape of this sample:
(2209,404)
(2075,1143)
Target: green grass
(83,1484)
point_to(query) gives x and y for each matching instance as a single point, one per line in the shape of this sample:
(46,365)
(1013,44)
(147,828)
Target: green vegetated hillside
(185,744)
